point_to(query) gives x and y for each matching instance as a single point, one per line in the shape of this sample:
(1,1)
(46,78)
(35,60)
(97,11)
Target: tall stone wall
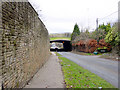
(24,43)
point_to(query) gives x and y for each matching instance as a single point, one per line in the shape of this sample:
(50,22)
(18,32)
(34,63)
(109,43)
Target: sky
(60,16)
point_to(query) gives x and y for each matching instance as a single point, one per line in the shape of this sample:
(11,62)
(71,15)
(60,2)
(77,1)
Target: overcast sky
(60,16)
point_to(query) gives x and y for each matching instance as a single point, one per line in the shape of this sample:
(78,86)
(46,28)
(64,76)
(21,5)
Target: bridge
(66,45)
(24,44)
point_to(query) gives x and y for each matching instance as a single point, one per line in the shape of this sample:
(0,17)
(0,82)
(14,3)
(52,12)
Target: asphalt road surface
(107,69)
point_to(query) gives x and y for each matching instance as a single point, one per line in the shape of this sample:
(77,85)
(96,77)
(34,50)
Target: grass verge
(59,55)
(86,54)
(60,38)
(78,77)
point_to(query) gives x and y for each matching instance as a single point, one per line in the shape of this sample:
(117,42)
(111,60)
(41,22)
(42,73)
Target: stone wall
(24,43)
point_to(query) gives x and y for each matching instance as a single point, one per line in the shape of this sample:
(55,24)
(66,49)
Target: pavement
(49,76)
(0,82)
(106,69)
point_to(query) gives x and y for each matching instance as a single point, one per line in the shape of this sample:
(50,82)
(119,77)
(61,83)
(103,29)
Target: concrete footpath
(49,76)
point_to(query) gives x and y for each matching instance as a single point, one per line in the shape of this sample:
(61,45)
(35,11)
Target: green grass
(59,55)
(88,54)
(78,77)
(59,38)
(93,54)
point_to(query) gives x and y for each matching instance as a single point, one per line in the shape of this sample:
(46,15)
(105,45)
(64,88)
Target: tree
(106,28)
(113,37)
(101,32)
(97,35)
(75,32)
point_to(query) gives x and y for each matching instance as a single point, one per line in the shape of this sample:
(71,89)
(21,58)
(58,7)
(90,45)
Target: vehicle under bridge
(60,45)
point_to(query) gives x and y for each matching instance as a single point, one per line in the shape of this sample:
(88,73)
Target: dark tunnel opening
(60,45)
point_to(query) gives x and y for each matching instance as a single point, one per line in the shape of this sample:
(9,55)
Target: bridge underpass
(60,45)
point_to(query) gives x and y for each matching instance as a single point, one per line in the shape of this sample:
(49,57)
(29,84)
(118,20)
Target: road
(107,69)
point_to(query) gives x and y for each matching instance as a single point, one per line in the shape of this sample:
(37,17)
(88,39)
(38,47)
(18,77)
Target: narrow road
(107,69)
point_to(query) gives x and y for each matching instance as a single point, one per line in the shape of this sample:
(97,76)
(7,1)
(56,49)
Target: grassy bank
(78,77)
(86,54)
(60,38)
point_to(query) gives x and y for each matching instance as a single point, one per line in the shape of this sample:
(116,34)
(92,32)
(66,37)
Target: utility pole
(97,24)
(97,30)
(88,17)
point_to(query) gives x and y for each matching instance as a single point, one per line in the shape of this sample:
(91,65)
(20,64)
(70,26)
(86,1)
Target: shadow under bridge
(60,45)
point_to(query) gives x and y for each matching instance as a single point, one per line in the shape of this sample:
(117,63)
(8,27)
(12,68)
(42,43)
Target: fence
(24,43)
